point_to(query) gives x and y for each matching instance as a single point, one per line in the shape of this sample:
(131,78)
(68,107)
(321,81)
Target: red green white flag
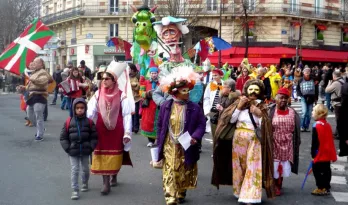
(23,50)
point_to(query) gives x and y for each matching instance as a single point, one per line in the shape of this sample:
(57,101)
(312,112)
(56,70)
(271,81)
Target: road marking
(340,196)
(342,159)
(338,180)
(338,167)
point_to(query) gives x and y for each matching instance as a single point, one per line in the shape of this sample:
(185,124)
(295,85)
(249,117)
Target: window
(73,31)
(319,7)
(113,6)
(212,5)
(63,36)
(294,6)
(319,32)
(64,5)
(47,10)
(113,30)
(345,35)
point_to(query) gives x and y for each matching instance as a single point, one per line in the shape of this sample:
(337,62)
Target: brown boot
(106,185)
(113,181)
(27,123)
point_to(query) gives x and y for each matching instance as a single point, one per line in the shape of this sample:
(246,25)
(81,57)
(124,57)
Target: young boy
(323,150)
(79,138)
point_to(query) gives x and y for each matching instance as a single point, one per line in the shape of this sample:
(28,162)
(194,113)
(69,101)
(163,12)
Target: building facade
(83,27)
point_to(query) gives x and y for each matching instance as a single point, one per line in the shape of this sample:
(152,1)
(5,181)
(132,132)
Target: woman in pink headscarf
(110,109)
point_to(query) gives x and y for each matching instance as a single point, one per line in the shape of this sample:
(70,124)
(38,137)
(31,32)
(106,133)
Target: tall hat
(153,67)
(120,71)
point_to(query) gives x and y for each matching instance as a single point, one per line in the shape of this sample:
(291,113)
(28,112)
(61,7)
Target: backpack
(68,120)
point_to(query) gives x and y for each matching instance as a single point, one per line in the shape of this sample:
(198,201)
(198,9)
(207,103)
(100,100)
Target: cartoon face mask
(253,89)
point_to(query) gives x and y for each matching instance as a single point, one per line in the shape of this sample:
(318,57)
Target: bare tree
(245,10)
(15,16)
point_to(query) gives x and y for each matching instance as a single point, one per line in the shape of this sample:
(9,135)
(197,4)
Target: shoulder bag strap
(252,119)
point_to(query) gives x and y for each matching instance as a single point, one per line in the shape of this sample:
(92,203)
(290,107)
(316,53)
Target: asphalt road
(38,173)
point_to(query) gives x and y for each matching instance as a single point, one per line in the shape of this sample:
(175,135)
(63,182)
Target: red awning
(324,56)
(272,55)
(256,52)
(254,61)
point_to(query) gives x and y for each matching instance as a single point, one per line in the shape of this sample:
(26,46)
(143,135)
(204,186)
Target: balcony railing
(196,8)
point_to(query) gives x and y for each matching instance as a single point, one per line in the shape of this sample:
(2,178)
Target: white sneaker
(150,144)
(75,195)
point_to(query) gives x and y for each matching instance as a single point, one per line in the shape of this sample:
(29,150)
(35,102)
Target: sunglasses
(106,78)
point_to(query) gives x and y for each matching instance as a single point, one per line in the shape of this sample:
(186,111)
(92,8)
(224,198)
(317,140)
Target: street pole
(298,44)
(220,32)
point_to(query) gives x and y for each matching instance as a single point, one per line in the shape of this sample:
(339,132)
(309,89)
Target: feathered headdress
(182,76)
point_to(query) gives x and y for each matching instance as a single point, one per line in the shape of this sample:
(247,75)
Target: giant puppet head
(170,30)
(143,18)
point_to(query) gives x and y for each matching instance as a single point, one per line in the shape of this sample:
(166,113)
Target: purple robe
(194,123)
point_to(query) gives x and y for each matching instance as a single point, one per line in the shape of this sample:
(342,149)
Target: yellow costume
(275,80)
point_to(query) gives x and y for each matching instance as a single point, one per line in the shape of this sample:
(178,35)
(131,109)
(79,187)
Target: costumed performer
(252,146)
(177,117)
(110,109)
(286,124)
(170,30)
(211,99)
(149,108)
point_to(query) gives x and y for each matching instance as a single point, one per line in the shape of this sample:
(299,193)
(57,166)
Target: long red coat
(149,114)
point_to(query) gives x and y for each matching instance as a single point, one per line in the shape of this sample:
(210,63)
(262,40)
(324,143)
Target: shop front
(104,54)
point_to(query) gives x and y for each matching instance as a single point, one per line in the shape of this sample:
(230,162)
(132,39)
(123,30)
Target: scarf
(109,103)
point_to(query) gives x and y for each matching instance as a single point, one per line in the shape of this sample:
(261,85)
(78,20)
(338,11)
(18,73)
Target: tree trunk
(246,25)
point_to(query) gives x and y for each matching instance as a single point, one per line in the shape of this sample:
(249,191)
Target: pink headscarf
(109,103)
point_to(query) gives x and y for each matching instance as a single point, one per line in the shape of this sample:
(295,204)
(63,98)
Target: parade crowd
(247,110)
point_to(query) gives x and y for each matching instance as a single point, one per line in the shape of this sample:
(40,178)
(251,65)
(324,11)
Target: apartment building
(84,26)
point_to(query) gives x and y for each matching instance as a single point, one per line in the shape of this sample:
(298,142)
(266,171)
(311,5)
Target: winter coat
(334,89)
(80,138)
(194,124)
(342,121)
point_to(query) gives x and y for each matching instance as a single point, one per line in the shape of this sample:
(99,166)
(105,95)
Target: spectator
(58,78)
(327,78)
(323,151)
(306,90)
(37,99)
(242,79)
(86,70)
(66,100)
(342,122)
(334,89)
(261,76)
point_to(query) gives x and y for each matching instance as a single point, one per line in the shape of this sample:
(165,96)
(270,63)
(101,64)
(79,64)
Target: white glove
(127,142)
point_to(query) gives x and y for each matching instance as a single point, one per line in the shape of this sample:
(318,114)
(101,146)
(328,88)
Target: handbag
(257,130)
(145,103)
